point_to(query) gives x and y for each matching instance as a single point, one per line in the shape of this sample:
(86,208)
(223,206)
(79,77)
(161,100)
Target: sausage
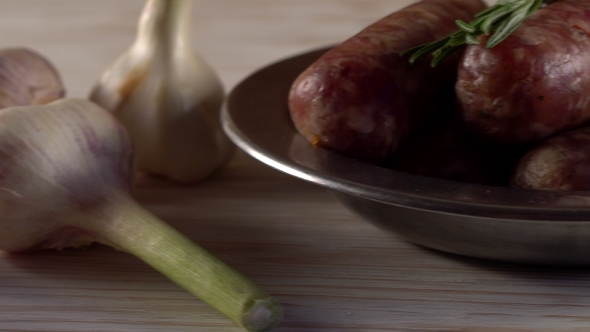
(533,84)
(362,99)
(444,149)
(559,163)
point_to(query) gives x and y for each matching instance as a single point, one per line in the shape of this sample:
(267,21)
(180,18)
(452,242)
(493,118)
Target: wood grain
(331,270)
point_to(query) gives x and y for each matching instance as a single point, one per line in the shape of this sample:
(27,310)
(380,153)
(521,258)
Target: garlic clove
(65,176)
(27,78)
(167,97)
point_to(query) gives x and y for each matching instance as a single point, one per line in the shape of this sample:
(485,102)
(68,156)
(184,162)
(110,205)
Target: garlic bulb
(167,97)
(65,173)
(27,78)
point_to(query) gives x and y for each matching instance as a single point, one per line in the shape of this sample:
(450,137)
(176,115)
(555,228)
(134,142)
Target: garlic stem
(165,26)
(137,231)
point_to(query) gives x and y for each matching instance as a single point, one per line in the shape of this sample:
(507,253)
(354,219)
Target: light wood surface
(331,270)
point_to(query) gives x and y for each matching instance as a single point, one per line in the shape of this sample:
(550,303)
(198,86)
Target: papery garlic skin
(167,97)
(48,174)
(27,78)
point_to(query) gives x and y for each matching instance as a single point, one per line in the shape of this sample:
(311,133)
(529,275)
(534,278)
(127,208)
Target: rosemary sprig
(501,19)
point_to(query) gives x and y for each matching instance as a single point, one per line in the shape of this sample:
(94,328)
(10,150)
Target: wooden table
(331,270)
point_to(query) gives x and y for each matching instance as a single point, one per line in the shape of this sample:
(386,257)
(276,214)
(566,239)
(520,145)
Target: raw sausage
(533,84)
(362,99)
(445,150)
(559,163)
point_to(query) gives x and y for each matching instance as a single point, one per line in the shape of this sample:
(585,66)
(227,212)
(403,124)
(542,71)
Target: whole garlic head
(65,175)
(167,97)
(27,78)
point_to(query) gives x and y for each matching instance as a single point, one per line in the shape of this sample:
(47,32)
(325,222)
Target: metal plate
(517,225)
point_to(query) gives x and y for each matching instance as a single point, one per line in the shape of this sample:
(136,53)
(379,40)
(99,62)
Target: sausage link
(559,163)
(445,150)
(535,83)
(362,99)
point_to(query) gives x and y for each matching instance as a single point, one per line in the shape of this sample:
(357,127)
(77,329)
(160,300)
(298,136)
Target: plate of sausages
(485,155)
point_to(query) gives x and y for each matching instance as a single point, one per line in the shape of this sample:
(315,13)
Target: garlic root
(65,176)
(27,78)
(167,97)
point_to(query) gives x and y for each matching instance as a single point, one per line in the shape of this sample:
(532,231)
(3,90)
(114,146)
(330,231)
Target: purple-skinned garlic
(65,173)
(27,78)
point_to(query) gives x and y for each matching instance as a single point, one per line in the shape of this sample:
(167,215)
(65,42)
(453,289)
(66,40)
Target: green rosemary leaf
(501,19)
(422,50)
(509,2)
(423,46)
(506,29)
(471,40)
(421,53)
(500,13)
(465,26)
(500,4)
(486,11)
(536,5)
(442,53)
